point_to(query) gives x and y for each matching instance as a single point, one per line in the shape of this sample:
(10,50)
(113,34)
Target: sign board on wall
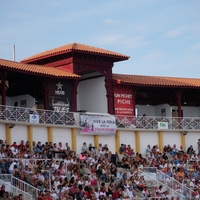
(123,100)
(162,125)
(97,125)
(60,95)
(34,118)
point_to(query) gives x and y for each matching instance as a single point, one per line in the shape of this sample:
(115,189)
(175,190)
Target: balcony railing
(20,114)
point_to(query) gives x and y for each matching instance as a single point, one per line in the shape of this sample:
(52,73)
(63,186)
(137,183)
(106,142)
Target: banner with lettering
(123,100)
(60,95)
(97,125)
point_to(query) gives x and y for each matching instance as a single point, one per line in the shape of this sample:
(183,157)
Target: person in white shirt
(102,152)
(14,150)
(2,154)
(84,147)
(55,165)
(56,182)
(96,192)
(67,148)
(11,168)
(102,193)
(119,175)
(60,147)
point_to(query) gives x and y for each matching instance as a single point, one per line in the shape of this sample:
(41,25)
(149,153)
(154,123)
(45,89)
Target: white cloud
(195,47)
(175,32)
(109,21)
(154,55)
(124,40)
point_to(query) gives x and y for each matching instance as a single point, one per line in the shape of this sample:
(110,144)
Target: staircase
(175,185)
(16,186)
(14,191)
(155,177)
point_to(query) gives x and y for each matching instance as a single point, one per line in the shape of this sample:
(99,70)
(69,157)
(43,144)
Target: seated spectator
(82,157)
(129,151)
(190,151)
(38,148)
(67,147)
(14,149)
(181,150)
(2,167)
(92,149)
(84,148)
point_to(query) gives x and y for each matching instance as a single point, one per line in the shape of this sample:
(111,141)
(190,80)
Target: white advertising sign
(34,118)
(97,125)
(162,125)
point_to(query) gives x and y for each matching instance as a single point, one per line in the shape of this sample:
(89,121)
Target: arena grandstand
(71,129)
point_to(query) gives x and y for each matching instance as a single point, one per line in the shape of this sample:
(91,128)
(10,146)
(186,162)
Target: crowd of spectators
(97,173)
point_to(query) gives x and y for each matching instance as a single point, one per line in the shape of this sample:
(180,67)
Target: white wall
(62,135)
(148,110)
(109,140)
(189,111)
(2,131)
(80,139)
(147,138)
(128,138)
(92,95)
(29,100)
(191,139)
(167,108)
(172,138)
(39,134)
(18,133)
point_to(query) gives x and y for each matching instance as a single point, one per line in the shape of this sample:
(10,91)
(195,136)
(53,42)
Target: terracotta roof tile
(156,80)
(75,47)
(37,69)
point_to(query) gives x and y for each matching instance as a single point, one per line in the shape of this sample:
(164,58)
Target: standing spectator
(190,150)
(84,147)
(92,149)
(198,146)
(121,149)
(38,148)
(148,149)
(2,190)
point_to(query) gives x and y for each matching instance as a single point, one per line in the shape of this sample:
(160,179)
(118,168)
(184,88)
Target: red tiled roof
(75,47)
(36,69)
(156,80)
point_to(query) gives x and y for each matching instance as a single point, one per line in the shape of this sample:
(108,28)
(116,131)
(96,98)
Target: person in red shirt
(47,196)
(40,196)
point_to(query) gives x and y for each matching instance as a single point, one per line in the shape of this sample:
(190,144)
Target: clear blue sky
(162,37)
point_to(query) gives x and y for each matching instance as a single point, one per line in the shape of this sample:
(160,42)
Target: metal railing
(152,182)
(14,190)
(170,182)
(21,114)
(21,186)
(152,122)
(150,176)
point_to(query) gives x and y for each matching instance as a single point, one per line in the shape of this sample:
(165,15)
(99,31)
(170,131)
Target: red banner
(123,100)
